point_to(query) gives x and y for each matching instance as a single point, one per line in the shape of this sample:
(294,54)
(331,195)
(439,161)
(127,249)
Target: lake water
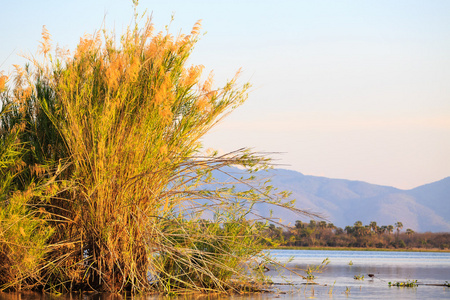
(425,267)
(337,281)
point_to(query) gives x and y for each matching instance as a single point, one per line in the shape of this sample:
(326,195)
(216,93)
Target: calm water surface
(426,267)
(337,281)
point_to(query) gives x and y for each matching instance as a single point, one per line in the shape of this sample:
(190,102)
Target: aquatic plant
(347,290)
(330,290)
(107,186)
(24,223)
(311,269)
(358,277)
(408,283)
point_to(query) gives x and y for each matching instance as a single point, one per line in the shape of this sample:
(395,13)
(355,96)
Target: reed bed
(104,184)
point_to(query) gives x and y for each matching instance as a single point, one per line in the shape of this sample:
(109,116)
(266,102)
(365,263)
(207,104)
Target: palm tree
(399,226)
(358,224)
(358,228)
(373,226)
(409,231)
(367,230)
(299,224)
(331,226)
(390,229)
(348,229)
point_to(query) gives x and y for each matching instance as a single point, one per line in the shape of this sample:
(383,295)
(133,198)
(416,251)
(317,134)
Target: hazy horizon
(354,89)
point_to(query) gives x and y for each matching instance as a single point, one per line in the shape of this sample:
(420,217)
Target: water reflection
(105,296)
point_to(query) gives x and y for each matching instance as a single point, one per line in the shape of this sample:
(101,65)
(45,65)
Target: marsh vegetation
(104,182)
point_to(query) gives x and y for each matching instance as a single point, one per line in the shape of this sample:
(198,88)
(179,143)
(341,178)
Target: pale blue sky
(345,89)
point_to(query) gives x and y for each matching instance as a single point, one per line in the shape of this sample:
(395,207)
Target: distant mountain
(343,202)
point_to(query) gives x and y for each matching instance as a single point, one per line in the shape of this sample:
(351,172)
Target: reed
(116,191)
(24,229)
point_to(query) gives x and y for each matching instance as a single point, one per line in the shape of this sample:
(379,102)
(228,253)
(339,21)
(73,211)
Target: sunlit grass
(106,187)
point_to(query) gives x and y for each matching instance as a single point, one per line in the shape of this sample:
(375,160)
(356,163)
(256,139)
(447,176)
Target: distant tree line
(323,234)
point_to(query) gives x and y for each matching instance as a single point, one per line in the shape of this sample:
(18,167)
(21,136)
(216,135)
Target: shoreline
(360,249)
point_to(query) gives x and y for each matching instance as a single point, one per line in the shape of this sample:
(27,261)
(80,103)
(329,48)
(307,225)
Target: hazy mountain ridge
(343,202)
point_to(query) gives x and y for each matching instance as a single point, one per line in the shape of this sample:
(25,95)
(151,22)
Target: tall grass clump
(120,194)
